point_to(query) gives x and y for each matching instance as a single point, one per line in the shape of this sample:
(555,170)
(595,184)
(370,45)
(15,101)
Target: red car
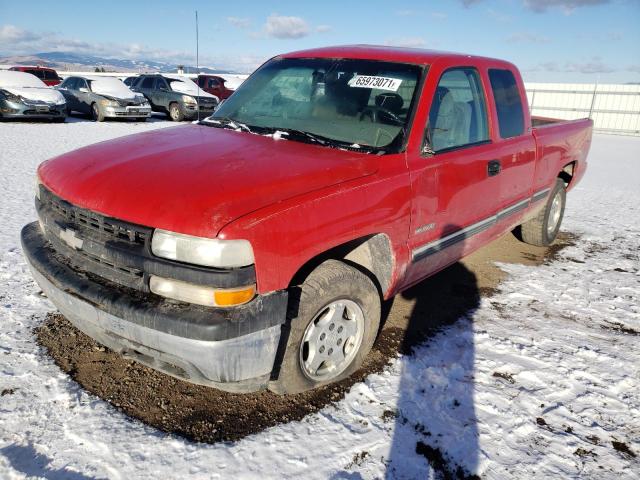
(254,249)
(214,85)
(48,75)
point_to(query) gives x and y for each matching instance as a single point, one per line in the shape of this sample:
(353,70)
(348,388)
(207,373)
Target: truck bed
(544,121)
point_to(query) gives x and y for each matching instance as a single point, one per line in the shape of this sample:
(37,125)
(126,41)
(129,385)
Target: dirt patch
(208,415)
(439,463)
(624,449)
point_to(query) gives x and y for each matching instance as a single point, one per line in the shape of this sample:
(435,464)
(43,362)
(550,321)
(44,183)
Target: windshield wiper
(225,122)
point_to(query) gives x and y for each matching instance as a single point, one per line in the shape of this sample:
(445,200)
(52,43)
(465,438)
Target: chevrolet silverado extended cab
(253,250)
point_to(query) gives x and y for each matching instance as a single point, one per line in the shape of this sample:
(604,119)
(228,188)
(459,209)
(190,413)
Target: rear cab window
(508,102)
(458,114)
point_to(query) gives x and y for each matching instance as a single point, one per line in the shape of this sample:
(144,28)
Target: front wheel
(175,112)
(96,113)
(543,229)
(332,327)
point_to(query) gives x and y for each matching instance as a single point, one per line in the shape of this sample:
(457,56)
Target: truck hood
(195,179)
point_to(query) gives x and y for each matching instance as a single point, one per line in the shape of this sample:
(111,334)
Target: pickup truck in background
(215,85)
(253,250)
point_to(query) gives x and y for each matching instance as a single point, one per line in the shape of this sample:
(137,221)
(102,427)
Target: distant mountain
(75,61)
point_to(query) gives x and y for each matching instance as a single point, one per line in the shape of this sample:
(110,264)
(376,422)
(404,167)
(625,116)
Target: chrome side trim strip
(540,195)
(436,246)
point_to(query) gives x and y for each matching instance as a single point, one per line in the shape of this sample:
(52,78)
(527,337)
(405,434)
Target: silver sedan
(103,97)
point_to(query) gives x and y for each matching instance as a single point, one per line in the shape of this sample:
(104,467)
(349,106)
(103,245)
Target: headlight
(109,103)
(207,252)
(201,295)
(12,97)
(188,99)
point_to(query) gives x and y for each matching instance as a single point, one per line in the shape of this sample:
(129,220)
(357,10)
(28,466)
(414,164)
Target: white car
(23,95)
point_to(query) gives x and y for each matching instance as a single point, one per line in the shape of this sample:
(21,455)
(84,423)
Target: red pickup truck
(215,85)
(253,250)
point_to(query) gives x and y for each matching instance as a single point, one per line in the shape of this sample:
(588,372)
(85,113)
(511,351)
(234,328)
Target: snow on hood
(29,87)
(111,87)
(188,86)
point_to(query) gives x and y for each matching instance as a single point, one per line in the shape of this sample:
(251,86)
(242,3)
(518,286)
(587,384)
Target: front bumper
(127,112)
(230,349)
(10,109)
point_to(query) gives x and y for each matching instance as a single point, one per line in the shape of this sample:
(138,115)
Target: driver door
(455,193)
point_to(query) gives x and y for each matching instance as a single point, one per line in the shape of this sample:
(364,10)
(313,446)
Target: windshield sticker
(381,83)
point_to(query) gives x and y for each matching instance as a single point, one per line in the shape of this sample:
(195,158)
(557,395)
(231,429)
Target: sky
(549,40)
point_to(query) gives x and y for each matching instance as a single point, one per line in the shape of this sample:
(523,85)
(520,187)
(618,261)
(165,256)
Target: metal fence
(613,108)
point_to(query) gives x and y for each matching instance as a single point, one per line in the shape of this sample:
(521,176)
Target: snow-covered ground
(538,382)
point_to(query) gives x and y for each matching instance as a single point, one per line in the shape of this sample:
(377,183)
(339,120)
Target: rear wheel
(96,113)
(333,324)
(543,229)
(175,112)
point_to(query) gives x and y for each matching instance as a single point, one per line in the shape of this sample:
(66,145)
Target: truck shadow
(435,416)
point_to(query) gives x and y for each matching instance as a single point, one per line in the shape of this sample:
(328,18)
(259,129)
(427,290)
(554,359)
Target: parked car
(48,75)
(23,95)
(179,97)
(129,81)
(254,249)
(103,97)
(215,85)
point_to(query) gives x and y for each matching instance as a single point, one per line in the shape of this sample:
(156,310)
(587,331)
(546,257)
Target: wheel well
(372,255)
(567,173)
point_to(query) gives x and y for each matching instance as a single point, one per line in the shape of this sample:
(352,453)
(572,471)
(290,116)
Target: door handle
(493,168)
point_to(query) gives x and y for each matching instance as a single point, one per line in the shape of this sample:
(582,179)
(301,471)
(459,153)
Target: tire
(543,229)
(58,120)
(175,112)
(96,113)
(314,312)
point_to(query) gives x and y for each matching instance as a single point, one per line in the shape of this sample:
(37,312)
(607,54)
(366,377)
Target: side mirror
(83,89)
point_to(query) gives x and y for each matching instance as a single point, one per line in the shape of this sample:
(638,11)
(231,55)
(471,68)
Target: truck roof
(388,53)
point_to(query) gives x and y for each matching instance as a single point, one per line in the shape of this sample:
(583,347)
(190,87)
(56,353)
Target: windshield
(358,103)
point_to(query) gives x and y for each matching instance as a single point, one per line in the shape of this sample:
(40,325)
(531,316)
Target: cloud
(540,6)
(323,28)
(524,37)
(594,65)
(439,15)
(405,13)
(412,42)
(239,22)
(634,68)
(280,26)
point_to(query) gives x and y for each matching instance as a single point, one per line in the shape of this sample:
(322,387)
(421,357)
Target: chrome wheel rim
(554,214)
(332,340)
(174,112)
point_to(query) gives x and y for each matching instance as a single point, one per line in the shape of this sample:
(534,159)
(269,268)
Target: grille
(86,219)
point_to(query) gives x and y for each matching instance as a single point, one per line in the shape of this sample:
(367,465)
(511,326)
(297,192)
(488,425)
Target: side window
(71,83)
(458,114)
(161,83)
(508,103)
(147,83)
(81,83)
